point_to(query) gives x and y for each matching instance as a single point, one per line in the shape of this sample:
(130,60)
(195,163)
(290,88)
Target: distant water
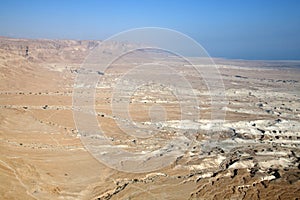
(277,64)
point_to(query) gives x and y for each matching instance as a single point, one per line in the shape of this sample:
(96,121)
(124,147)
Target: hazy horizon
(251,30)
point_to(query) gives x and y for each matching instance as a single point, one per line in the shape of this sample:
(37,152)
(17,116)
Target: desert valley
(254,154)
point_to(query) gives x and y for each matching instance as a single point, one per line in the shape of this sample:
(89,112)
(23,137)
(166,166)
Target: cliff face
(256,154)
(48,50)
(32,64)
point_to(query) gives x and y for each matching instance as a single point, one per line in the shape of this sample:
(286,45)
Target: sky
(249,29)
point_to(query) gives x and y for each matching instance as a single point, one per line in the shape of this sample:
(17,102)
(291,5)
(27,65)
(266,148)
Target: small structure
(27,52)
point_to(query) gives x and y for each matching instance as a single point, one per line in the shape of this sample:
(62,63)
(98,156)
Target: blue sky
(250,29)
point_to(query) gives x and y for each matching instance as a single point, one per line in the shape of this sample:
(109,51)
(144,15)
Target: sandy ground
(255,156)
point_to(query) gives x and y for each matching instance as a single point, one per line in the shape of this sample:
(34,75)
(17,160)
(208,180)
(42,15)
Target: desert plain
(255,154)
